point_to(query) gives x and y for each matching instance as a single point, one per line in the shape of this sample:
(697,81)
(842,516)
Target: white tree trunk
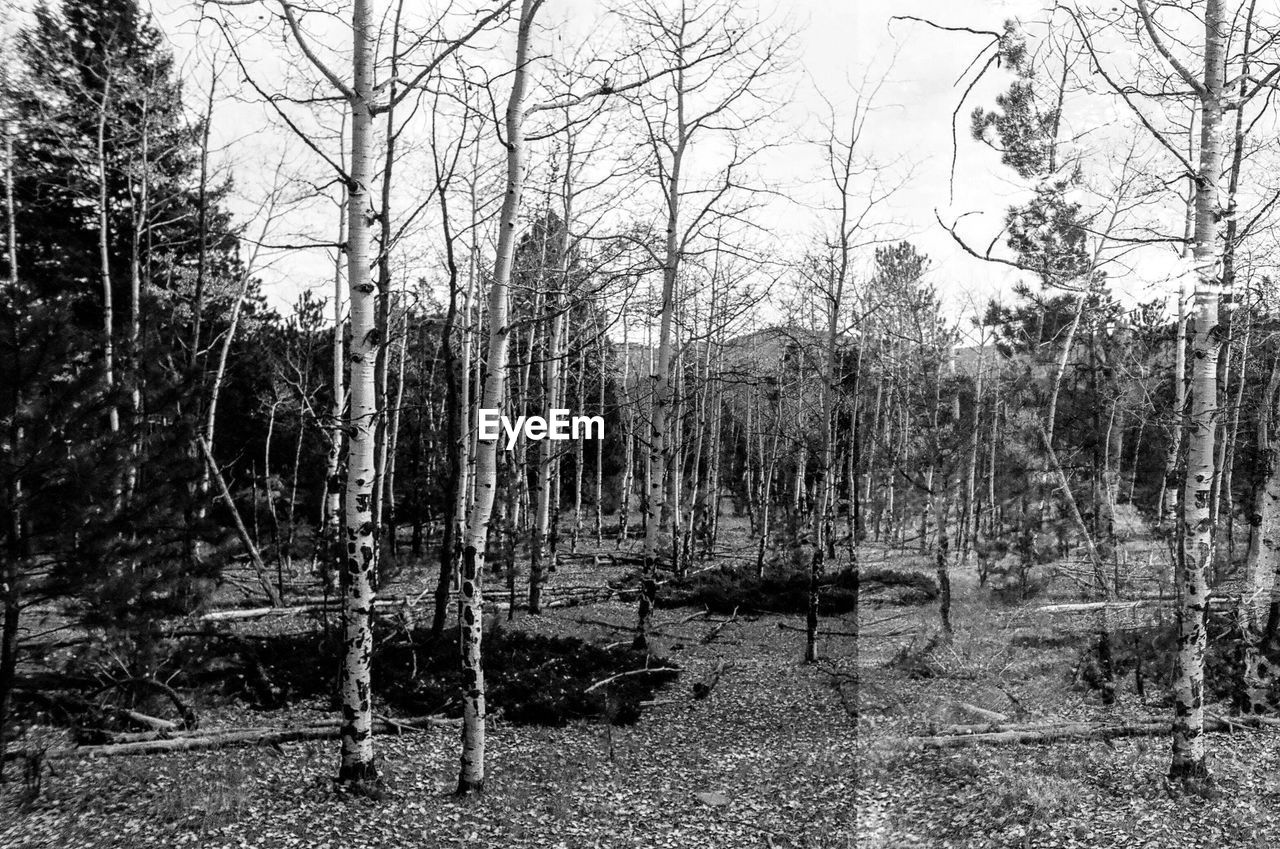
(548,452)
(470,604)
(360,557)
(658,455)
(1263,558)
(104,268)
(1188,760)
(1169,496)
(327,535)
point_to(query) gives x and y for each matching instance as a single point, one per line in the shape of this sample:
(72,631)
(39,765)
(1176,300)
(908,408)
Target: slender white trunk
(658,455)
(969,522)
(359,525)
(224,355)
(332,501)
(470,605)
(1188,760)
(393,434)
(547,450)
(1264,556)
(104,266)
(628,435)
(823,515)
(10,578)
(1169,496)
(141,215)
(577,460)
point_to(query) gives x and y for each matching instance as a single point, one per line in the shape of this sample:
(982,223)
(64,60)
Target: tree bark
(1263,561)
(13,552)
(360,525)
(1189,761)
(470,605)
(658,458)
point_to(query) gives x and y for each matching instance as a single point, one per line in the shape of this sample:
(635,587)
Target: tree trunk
(360,525)
(259,568)
(1189,761)
(470,604)
(577,459)
(1225,503)
(325,549)
(1257,670)
(658,460)
(12,588)
(599,446)
(104,268)
(628,435)
(548,451)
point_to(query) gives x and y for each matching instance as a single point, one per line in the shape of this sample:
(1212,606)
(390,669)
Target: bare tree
(721,60)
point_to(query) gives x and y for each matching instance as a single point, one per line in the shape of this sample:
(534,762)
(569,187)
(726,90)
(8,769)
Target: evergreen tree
(110,233)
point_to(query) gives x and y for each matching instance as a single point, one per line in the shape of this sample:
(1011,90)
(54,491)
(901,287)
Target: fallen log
(703,688)
(1131,604)
(977,712)
(580,598)
(332,606)
(1053,732)
(189,717)
(193,741)
(715,632)
(646,671)
(155,723)
(996,726)
(417,723)
(572,598)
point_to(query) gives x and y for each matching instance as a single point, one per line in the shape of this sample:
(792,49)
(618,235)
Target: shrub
(1150,653)
(532,679)
(916,660)
(1012,580)
(725,590)
(903,586)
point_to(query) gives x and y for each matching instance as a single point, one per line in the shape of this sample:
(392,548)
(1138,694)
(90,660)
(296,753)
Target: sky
(911,121)
(839,47)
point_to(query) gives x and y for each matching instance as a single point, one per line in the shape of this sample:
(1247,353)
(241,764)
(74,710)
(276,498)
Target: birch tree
(364,100)
(470,602)
(721,61)
(1209,88)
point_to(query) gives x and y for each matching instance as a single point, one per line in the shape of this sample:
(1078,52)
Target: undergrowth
(726,590)
(530,678)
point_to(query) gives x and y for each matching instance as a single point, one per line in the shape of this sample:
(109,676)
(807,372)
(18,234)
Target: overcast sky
(840,46)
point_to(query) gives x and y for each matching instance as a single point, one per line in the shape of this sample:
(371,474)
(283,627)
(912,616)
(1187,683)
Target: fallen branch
(259,568)
(995,727)
(990,716)
(155,723)
(1133,604)
(332,606)
(658,703)
(715,632)
(192,741)
(703,688)
(1052,732)
(613,678)
(188,714)
(307,606)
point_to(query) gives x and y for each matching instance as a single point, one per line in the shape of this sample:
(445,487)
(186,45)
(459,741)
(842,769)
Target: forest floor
(768,759)
(1015,660)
